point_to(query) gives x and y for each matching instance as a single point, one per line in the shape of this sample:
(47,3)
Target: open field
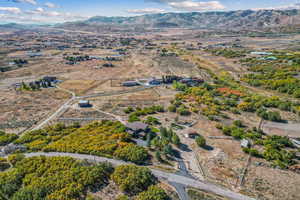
(22,110)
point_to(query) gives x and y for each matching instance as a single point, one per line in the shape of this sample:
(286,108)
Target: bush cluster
(104,138)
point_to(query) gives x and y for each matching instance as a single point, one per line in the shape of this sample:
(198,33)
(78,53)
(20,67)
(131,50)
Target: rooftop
(136,126)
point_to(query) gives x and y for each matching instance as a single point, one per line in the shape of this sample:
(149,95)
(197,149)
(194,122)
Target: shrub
(201,142)
(269,115)
(4,164)
(15,158)
(133,118)
(153,193)
(158,156)
(168,150)
(6,138)
(219,126)
(176,140)
(42,178)
(179,86)
(172,108)
(237,133)
(133,179)
(238,123)
(226,130)
(132,153)
(183,111)
(252,152)
(129,110)
(152,120)
(122,197)
(247,107)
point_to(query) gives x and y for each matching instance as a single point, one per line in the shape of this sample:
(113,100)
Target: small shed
(84,103)
(245,143)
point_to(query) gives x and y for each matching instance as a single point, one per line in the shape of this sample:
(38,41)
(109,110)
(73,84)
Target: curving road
(170,177)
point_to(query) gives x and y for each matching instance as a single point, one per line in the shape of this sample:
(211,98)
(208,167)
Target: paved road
(61,109)
(183,195)
(80,119)
(170,177)
(290,129)
(112,93)
(180,188)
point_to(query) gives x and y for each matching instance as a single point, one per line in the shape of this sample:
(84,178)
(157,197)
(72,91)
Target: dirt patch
(271,183)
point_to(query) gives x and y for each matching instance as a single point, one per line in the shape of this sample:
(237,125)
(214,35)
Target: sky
(56,11)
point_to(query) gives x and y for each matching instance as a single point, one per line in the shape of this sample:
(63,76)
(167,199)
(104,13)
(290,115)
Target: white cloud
(146,11)
(52,17)
(13,10)
(41,12)
(33,2)
(285,7)
(189,5)
(50,5)
(40,9)
(37,15)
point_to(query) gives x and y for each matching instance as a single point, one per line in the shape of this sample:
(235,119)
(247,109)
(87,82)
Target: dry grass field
(20,111)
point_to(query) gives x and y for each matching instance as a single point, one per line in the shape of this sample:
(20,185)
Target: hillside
(246,19)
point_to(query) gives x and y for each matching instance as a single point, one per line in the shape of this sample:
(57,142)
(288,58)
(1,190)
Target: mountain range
(216,20)
(231,20)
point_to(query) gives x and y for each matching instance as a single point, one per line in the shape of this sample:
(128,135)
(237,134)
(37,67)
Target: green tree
(201,142)
(238,123)
(182,110)
(158,156)
(168,150)
(176,139)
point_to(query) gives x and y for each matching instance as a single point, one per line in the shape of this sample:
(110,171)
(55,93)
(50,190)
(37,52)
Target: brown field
(21,111)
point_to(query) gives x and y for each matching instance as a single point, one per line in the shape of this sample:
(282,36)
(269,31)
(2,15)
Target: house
(170,79)
(12,148)
(296,142)
(261,53)
(108,65)
(192,135)
(49,78)
(34,54)
(154,81)
(191,81)
(245,143)
(130,83)
(138,128)
(84,104)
